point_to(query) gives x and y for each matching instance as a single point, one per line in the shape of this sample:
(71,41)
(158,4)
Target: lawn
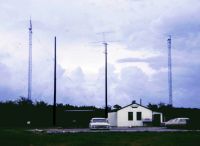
(20,137)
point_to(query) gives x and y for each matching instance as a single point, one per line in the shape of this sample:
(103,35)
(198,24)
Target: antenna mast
(170,71)
(30,62)
(105,43)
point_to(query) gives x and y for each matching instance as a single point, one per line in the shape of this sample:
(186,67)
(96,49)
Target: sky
(136,32)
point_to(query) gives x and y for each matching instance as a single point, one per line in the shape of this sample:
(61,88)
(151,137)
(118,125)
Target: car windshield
(99,120)
(171,120)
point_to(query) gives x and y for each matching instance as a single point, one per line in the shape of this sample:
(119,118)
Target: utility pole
(104,42)
(170,71)
(106,98)
(30,62)
(54,101)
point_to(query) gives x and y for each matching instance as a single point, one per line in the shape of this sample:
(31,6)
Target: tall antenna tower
(170,71)
(54,99)
(30,62)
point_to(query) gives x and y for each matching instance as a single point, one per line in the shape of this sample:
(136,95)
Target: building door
(156,120)
(130,119)
(138,121)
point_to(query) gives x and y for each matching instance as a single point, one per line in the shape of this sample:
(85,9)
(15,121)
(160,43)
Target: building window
(139,116)
(130,116)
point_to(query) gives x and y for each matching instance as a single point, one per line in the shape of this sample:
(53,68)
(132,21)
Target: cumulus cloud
(142,26)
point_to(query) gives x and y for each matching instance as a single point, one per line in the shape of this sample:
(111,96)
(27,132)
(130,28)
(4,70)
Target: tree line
(20,112)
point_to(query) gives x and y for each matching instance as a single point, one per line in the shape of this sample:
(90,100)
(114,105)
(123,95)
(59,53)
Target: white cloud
(141,26)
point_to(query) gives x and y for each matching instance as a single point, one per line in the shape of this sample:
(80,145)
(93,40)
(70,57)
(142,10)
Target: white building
(134,115)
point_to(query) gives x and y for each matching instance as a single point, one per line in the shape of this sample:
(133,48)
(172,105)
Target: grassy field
(20,137)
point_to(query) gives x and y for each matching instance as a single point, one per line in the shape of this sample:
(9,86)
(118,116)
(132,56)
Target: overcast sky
(137,52)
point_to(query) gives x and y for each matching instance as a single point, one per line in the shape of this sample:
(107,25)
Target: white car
(99,123)
(177,122)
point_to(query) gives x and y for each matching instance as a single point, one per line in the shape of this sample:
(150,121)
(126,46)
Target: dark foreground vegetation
(40,114)
(16,114)
(19,137)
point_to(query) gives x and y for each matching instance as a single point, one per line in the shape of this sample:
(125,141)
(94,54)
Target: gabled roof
(132,104)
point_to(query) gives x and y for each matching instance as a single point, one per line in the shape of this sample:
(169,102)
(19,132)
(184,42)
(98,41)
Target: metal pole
(30,63)
(106,100)
(170,71)
(54,101)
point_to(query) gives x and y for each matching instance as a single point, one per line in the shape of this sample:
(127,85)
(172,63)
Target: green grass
(20,137)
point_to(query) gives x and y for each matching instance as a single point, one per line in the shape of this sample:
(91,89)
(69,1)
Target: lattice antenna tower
(169,42)
(30,62)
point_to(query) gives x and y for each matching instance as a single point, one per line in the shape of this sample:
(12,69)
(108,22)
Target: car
(178,123)
(99,123)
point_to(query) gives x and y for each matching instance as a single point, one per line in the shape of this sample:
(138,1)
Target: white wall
(122,116)
(112,118)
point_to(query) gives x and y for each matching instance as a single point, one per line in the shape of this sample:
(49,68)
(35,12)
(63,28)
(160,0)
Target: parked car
(99,123)
(178,123)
